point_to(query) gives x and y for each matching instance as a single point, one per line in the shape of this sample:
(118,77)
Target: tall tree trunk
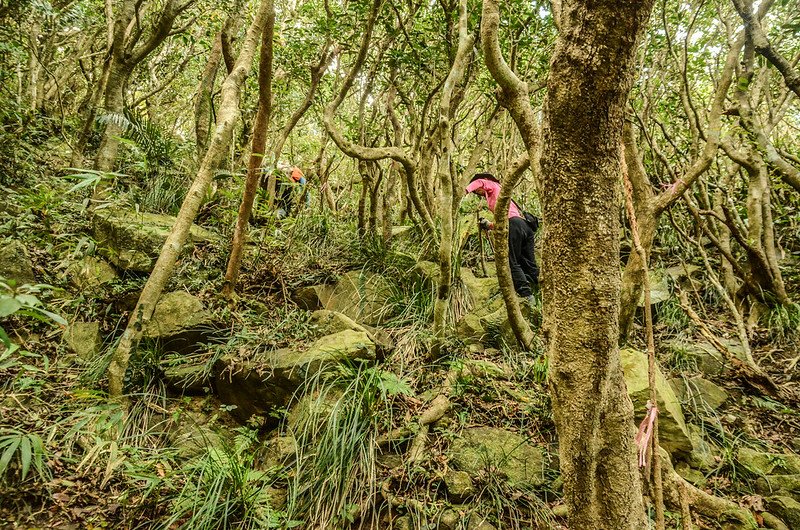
(444,137)
(228,115)
(256,153)
(590,78)
(515,98)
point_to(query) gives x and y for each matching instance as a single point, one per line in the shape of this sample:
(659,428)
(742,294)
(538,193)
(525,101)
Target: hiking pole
(480,242)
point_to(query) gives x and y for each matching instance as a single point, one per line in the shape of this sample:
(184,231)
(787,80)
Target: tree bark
(256,153)
(762,45)
(446,177)
(228,115)
(590,78)
(514,97)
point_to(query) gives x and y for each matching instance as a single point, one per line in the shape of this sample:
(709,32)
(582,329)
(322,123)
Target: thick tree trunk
(228,116)
(256,153)
(590,78)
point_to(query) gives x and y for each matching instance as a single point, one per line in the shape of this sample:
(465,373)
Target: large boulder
(700,394)
(15,263)
(260,387)
(361,295)
(673,435)
(500,451)
(133,241)
(90,272)
(327,322)
(763,463)
(310,297)
(705,454)
(785,484)
(179,322)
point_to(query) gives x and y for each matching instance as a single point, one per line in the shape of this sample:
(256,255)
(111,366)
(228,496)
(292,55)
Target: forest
(251,274)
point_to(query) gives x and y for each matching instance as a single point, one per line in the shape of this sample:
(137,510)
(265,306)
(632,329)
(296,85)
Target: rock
(691,475)
(497,450)
(673,434)
(459,485)
(15,262)
(401,232)
(659,287)
(259,388)
(192,434)
(133,241)
(762,463)
(786,508)
(90,272)
(360,295)
(402,523)
(771,484)
(448,520)
(703,455)
(179,322)
(279,451)
(328,322)
(310,297)
(700,394)
(311,412)
(83,338)
(187,378)
(479,522)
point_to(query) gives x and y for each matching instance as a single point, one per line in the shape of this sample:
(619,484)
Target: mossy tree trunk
(590,78)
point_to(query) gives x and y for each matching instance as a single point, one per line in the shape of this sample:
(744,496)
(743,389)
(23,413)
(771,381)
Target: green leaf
(9,306)
(25,454)
(8,454)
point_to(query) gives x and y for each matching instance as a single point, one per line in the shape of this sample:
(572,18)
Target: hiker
(524,270)
(288,180)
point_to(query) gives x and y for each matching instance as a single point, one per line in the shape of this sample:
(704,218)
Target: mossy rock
(496,450)
(361,295)
(265,385)
(83,338)
(673,434)
(763,463)
(179,322)
(90,272)
(15,262)
(133,240)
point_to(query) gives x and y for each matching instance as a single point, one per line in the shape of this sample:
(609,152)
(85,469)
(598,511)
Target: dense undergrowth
(68,456)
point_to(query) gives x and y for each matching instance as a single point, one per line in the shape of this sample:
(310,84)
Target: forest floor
(379,444)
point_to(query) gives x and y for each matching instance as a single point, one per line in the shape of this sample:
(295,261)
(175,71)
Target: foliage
(222,488)
(22,301)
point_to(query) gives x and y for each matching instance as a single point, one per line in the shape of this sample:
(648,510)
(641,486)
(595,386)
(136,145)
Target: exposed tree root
(679,492)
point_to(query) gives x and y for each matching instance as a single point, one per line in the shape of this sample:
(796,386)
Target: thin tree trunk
(256,153)
(590,77)
(228,115)
(514,97)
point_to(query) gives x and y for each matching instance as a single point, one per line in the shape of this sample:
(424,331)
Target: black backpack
(531,219)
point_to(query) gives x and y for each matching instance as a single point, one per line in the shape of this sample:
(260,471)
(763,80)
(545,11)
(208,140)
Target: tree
(228,115)
(591,73)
